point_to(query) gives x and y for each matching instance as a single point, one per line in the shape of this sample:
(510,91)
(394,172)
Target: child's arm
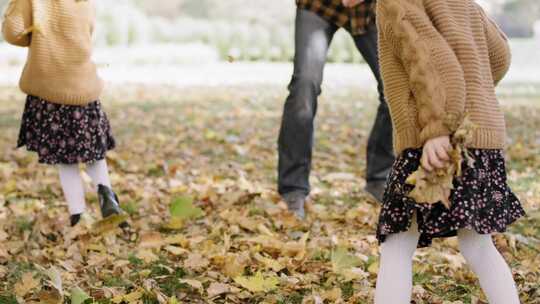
(17,24)
(500,55)
(431,69)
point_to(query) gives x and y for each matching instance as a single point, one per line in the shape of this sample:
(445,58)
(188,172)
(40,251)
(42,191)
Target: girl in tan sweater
(63,121)
(440,61)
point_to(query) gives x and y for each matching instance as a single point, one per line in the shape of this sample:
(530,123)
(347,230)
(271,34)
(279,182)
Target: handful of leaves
(436,186)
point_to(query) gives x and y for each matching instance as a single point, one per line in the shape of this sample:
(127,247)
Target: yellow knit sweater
(59,37)
(441,60)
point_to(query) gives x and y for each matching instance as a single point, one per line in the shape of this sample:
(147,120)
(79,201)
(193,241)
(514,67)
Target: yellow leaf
(257,283)
(342,261)
(177,239)
(232,266)
(173,300)
(174,223)
(129,298)
(332,295)
(26,284)
(109,224)
(269,263)
(182,207)
(374,268)
(55,279)
(50,297)
(436,186)
(297,249)
(193,283)
(196,261)
(174,250)
(10,186)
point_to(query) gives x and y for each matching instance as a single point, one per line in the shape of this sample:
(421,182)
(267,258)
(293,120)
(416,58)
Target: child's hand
(435,154)
(351,3)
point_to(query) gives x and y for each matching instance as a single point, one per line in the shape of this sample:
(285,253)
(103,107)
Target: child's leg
(72,184)
(490,267)
(394,281)
(99,173)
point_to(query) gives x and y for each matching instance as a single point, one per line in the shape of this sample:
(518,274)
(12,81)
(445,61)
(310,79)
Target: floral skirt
(65,134)
(481,200)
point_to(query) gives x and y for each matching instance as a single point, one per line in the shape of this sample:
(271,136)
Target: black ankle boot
(75,219)
(108,203)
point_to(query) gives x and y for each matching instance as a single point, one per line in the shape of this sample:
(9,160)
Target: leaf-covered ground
(195,170)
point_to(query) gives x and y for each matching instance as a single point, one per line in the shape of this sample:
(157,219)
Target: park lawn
(216,147)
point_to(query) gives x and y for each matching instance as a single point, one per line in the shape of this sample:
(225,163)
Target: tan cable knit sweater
(59,37)
(440,60)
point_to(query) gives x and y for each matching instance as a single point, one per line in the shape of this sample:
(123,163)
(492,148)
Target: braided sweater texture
(58,35)
(441,60)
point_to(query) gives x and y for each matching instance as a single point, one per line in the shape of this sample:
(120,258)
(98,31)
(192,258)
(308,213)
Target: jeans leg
(380,154)
(313,37)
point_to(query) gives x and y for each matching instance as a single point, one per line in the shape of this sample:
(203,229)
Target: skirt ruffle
(481,200)
(64,134)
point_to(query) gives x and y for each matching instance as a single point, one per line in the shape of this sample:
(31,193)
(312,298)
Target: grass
(219,146)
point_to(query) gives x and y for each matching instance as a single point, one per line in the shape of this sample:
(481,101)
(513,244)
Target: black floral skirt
(65,134)
(481,200)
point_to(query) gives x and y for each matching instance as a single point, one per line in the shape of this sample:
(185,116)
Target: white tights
(72,183)
(394,282)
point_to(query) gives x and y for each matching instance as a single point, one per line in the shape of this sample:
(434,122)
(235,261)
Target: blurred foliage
(519,16)
(232,28)
(257,30)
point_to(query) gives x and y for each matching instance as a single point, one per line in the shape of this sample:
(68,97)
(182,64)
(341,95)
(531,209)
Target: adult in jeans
(316,23)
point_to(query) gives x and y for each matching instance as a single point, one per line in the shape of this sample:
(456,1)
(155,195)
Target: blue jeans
(313,37)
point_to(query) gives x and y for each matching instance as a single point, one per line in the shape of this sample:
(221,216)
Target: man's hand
(435,153)
(351,3)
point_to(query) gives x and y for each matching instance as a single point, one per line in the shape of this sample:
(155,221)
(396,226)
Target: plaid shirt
(356,20)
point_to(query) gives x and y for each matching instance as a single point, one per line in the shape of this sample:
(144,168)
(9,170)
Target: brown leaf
(50,297)
(216,289)
(436,186)
(151,240)
(26,284)
(193,283)
(196,261)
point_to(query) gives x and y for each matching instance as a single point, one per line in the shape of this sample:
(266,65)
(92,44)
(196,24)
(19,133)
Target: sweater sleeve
(18,22)
(435,76)
(500,55)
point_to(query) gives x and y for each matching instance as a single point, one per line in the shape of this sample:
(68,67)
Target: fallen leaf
(26,284)
(78,296)
(174,223)
(342,261)
(129,298)
(196,261)
(216,289)
(55,279)
(174,250)
(182,208)
(436,186)
(332,295)
(50,297)
(109,224)
(234,266)
(257,283)
(269,263)
(147,256)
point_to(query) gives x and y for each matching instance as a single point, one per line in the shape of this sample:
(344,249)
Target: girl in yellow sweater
(440,61)
(63,120)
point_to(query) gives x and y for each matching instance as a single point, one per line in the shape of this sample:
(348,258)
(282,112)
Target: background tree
(518,17)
